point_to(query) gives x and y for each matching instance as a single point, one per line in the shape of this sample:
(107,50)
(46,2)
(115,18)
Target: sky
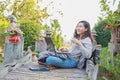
(70,12)
(74,11)
(77,10)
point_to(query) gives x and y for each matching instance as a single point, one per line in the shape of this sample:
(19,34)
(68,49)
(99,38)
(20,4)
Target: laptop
(50,44)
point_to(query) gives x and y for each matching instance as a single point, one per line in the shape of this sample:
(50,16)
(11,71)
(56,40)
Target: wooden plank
(24,73)
(6,68)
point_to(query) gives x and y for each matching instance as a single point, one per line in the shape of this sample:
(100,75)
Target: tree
(110,16)
(56,34)
(112,20)
(103,36)
(3,26)
(28,14)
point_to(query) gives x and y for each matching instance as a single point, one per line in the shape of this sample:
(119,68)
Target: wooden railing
(14,56)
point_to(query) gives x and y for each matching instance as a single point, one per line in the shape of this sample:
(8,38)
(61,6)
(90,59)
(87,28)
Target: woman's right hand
(41,39)
(63,49)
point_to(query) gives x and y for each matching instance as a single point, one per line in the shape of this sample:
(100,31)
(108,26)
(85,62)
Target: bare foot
(41,63)
(52,67)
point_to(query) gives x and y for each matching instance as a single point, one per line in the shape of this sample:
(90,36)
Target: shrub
(56,33)
(31,33)
(3,26)
(103,35)
(110,63)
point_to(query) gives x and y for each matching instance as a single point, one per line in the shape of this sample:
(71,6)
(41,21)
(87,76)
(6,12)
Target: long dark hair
(86,33)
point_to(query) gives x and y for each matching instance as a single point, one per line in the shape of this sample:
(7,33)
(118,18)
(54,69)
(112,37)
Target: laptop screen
(50,44)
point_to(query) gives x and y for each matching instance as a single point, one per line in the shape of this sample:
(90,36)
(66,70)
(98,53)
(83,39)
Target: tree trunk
(114,45)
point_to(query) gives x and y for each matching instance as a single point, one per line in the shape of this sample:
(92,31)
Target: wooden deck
(23,73)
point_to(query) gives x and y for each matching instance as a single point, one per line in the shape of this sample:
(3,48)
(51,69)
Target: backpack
(95,57)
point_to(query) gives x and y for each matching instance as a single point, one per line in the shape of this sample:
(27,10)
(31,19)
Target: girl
(81,48)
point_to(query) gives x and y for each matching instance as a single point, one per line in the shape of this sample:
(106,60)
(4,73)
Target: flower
(13,30)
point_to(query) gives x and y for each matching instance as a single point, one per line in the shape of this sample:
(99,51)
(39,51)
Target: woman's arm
(85,46)
(86,50)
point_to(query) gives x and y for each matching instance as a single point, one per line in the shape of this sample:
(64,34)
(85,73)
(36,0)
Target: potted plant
(14,32)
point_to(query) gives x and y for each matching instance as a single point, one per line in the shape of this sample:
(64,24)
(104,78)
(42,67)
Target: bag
(96,56)
(81,63)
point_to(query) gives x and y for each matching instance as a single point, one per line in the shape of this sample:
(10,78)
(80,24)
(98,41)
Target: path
(23,73)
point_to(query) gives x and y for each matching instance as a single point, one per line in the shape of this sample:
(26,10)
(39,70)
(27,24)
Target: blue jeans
(63,63)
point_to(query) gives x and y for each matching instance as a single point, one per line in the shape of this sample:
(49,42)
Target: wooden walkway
(23,73)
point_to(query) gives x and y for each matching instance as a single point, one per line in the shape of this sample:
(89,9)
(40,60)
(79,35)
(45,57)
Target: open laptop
(50,44)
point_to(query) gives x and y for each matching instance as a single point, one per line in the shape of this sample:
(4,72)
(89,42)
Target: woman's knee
(51,60)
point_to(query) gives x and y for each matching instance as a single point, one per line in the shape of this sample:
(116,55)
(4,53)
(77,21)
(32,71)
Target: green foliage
(87,78)
(1,59)
(31,33)
(28,14)
(110,16)
(30,17)
(110,63)
(106,59)
(56,34)
(103,35)
(24,10)
(117,65)
(3,27)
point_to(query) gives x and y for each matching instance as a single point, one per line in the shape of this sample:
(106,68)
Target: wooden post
(12,51)
(91,68)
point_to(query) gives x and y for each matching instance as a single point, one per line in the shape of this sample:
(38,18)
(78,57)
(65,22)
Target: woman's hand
(41,38)
(76,41)
(63,49)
